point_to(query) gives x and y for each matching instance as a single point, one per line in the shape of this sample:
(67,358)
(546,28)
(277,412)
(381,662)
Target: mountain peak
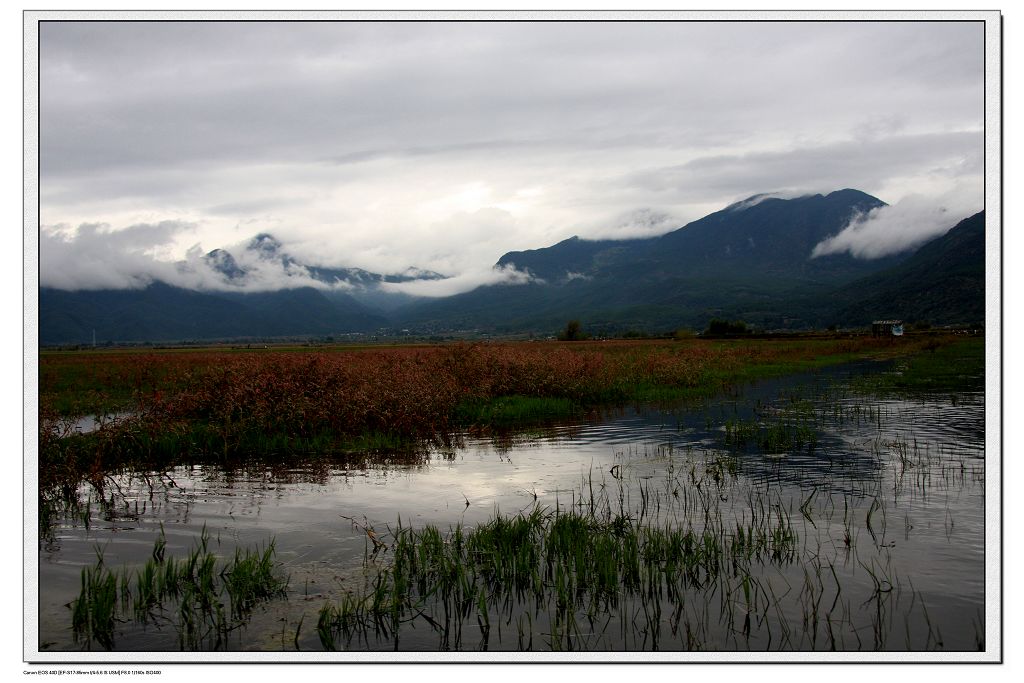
(224,263)
(265,243)
(852,195)
(750,201)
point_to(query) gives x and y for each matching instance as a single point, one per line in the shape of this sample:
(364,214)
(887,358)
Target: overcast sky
(443,145)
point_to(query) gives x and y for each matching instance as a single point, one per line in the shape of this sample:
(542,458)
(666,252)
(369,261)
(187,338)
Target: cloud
(464,282)
(822,167)
(645,222)
(749,202)
(878,126)
(902,226)
(262,273)
(443,145)
(464,230)
(95,257)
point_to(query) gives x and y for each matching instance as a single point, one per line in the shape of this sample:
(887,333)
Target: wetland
(824,495)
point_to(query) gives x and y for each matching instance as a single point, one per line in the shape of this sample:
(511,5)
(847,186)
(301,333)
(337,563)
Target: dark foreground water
(885,497)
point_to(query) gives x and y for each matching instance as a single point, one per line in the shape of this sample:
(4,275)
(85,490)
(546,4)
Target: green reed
(202,598)
(562,567)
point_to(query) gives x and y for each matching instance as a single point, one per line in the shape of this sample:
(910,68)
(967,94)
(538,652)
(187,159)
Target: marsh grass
(770,437)
(947,366)
(514,410)
(568,570)
(203,599)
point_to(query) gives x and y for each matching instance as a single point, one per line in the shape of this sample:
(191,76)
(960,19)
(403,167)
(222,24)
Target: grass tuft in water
(203,601)
(561,567)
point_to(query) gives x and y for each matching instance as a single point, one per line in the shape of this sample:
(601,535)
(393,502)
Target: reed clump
(561,568)
(205,600)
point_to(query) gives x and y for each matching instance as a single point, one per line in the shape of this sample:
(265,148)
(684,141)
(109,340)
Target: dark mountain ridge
(942,283)
(161,312)
(763,233)
(750,260)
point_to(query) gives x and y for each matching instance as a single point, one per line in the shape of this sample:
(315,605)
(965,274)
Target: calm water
(888,507)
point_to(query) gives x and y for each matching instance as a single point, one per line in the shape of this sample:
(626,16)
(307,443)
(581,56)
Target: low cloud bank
(639,223)
(750,202)
(94,256)
(905,225)
(498,275)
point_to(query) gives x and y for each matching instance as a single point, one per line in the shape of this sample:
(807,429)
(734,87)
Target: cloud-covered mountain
(943,282)
(95,256)
(752,260)
(760,260)
(764,234)
(265,253)
(256,290)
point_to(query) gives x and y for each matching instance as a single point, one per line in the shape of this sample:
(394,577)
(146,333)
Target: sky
(442,145)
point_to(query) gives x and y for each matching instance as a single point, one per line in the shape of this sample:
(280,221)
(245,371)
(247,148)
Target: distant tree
(726,327)
(573,332)
(683,333)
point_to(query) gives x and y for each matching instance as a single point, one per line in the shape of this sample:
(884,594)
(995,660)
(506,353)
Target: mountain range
(751,261)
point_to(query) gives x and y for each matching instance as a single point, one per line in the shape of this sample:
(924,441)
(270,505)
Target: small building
(885,328)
